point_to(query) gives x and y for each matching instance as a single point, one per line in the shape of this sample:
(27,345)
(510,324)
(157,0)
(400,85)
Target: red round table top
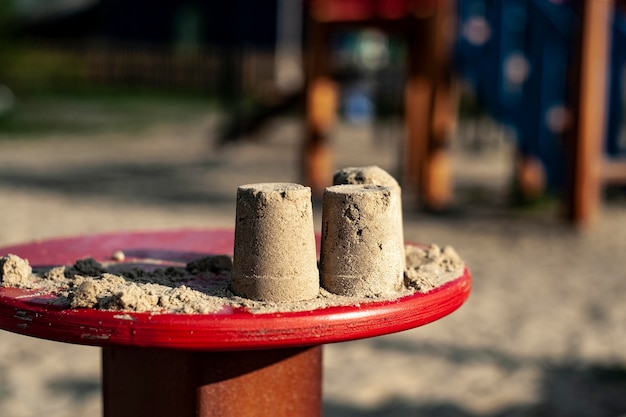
(30,314)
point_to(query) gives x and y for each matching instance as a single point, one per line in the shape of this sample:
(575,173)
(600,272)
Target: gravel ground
(543,333)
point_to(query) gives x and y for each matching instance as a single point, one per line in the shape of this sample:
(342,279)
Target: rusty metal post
(258,383)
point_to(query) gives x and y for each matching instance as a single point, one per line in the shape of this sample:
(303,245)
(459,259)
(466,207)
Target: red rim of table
(230,329)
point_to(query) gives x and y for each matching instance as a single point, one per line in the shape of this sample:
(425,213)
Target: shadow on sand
(567,390)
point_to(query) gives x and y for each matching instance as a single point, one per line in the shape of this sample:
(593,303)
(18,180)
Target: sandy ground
(543,333)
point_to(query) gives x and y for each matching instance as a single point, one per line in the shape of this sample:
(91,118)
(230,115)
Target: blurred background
(505,123)
(420,80)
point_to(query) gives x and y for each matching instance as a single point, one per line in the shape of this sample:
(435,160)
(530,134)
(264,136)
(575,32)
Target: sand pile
(274,268)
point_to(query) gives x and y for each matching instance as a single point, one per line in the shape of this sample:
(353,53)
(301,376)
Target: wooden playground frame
(430,105)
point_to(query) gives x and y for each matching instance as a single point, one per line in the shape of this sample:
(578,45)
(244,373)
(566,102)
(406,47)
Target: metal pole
(161,382)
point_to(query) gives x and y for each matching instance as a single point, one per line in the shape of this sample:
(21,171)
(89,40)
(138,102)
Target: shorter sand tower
(274,256)
(361,252)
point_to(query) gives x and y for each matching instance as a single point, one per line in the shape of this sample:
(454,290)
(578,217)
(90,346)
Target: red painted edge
(231,329)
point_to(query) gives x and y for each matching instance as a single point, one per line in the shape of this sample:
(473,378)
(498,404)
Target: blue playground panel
(519,72)
(549,49)
(616,129)
(482,45)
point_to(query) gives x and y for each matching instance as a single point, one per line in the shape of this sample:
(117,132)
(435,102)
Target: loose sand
(202,286)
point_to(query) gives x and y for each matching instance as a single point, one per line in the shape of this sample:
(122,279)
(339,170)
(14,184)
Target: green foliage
(6,16)
(30,68)
(95,112)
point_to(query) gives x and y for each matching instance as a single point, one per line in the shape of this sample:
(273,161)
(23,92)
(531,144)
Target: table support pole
(161,382)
